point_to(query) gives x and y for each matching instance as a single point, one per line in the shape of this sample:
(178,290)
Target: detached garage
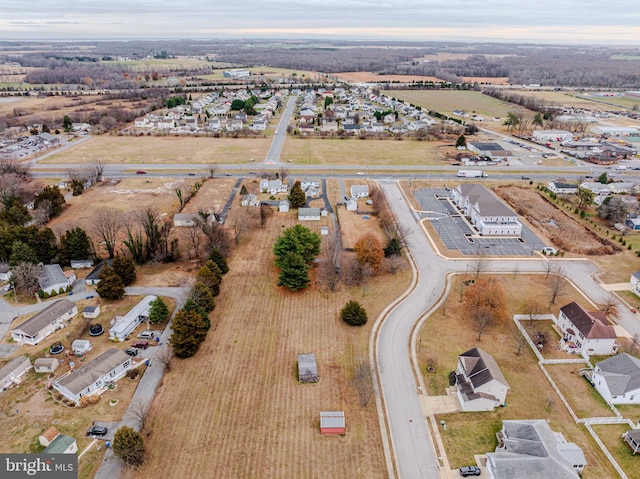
(307,368)
(332,422)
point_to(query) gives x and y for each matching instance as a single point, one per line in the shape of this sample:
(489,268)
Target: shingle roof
(621,373)
(12,365)
(48,315)
(480,367)
(488,205)
(95,272)
(51,274)
(84,377)
(590,324)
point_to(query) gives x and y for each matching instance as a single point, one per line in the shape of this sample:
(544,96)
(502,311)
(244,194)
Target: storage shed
(45,365)
(80,346)
(91,312)
(307,368)
(332,422)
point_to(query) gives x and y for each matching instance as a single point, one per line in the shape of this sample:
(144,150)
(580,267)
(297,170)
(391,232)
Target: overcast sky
(543,21)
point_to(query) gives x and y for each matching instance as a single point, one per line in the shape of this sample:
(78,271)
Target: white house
(52,278)
(13,372)
(489,215)
(309,214)
(80,346)
(552,135)
(481,384)
(561,188)
(93,376)
(250,200)
(529,448)
(81,263)
(596,187)
(273,186)
(121,326)
(617,379)
(585,332)
(359,191)
(45,365)
(5,272)
(53,317)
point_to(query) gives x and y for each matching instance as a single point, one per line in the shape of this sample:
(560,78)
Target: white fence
(606,451)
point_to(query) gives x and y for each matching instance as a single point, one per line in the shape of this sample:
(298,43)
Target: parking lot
(456,233)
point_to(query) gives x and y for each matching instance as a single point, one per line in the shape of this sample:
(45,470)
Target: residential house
(259,125)
(596,187)
(121,326)
(93,277)
(481,384)
(309,214)
(359,191)
(13,372)
(561,188)
(62,444)
(50,319)
(52,278)
(585,332)
(93,376)
(235,125)
(273,186)
(529,448)
(91,312)
(633,223)
(617,379)
(632,439)
(621,187)
(5,272)
(81,263)
(635,282)
(183,220)
(214,123)
(45,365)
(250,200)
(487,213)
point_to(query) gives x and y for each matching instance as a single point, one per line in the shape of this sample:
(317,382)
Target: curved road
(413,450)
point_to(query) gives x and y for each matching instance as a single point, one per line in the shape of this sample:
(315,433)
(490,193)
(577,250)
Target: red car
(141,172)
(141,344)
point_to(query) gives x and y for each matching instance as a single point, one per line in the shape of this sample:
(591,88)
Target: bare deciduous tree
(558,286)
(362,380)
(330,268)
(139,411)
(213,169)
(395,263)
(107,225)
(266,211)
(479,265)
(521,343)
(164,356)
(610,306)
(531,308)
(26,278)
(193,237)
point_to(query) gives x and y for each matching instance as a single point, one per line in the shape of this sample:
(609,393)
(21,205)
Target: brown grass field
(236,407)
(611,437)
(446,334)
(169,149)
(359,77)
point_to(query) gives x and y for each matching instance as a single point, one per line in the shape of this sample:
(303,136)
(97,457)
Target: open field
(447,101)
(487,80)
(354,225)
(166,149)
(566,99)
(270,72)
(211,196)
(360,77)
(32,400)
(610,435)
(359,153)
(151,64)
(446,334)
(236,407)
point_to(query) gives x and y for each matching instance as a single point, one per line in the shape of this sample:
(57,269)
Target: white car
(360,173)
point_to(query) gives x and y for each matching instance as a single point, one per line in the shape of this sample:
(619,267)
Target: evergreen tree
(128,445)
(190,305)
(74,244)
(158,311)
(110,285)
(394,248)
(297,197)
(125,268)
(209,278)
(461,142)
(218,258)
(202,296)
(22,253)
(354,314)
(243,190)
(189,331)
(300,240)
(67,124)
(295,272)
(53,195)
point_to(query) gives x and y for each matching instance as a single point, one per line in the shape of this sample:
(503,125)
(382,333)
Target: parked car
(470,471)
(141,172)
(360,173)
(97,431)
(96,330)
(526,177)
(191,174)
(147,334)
(56,348)
(141,344)
(131,351)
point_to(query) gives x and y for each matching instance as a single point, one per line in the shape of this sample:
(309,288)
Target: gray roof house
(529,448)
(52,278)
(93,376)
(53,317)
(62,445)
(307,368)
(487,213)
(309,214)
(13,371)
(617,379)
(481,384)
(359,191)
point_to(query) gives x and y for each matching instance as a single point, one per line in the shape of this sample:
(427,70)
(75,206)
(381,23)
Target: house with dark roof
(94,376)
(55,316)
(632,439)
(93,277)
(529,448)
(481,384)
(493,150)
(586,332)
(486,212)
(617,379)
(561,188)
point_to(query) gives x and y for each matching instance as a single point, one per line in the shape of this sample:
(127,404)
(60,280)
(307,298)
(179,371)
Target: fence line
(606,451)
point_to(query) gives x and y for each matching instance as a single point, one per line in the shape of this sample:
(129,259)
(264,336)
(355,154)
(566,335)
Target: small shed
(283,206)
(45,365)
(324,230)
(307,368)
(332,422)
(81,346)
(62,445)
(352,205)
(91,312)
(81,263)
(48,436)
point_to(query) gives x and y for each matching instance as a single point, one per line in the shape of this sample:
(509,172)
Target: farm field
(446,334)
(359,77)
(359,153)
(567,99)
(163,150)
(237,408)
(271,72)
(447,101)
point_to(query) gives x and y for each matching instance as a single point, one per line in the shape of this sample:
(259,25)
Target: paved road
(273,156)
(413,451)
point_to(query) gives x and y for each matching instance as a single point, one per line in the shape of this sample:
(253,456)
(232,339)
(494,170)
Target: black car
(97,431)
(56,348)
(526,177)
(131,351)
(469,471)
(96,330)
